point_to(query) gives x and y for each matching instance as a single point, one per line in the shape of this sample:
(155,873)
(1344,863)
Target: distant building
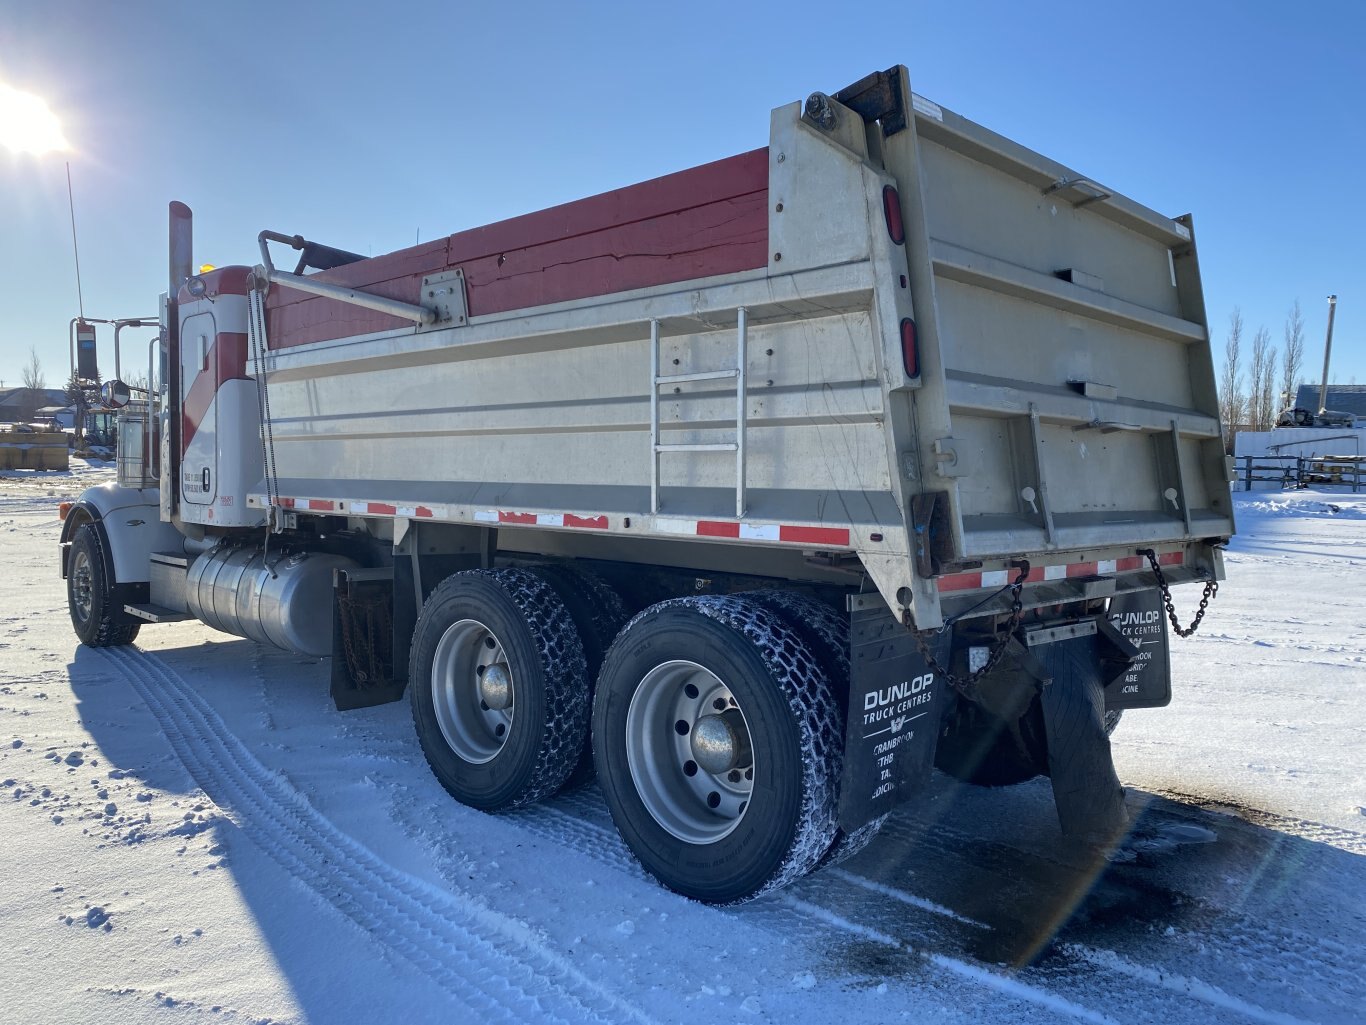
(1343,398)
(63,416)
(18,405)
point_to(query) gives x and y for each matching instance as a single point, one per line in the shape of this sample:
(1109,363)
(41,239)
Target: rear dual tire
(499,688)
(827,634)
(716,743)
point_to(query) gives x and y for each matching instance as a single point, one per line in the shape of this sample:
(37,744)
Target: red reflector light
(910,354)
(891,206)
(63,510)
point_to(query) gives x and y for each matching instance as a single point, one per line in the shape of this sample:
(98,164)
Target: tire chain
(604,615)
(828,634)
(1211,591)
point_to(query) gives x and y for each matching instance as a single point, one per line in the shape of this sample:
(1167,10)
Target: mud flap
(895,705)
(362,639)
(1145,681)
(1086,788)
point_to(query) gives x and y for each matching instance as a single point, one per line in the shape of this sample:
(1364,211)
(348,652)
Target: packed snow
(189,831)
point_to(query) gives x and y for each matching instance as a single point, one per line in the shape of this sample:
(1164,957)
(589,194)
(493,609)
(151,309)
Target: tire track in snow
(805,908)
(839,898)
(487,961)
(1212,995)
(1006,985)
(578,821)
(1270,946)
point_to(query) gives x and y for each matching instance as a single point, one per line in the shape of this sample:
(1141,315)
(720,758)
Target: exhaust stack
(181,247)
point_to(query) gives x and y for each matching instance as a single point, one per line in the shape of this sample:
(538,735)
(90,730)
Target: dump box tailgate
(1073,404)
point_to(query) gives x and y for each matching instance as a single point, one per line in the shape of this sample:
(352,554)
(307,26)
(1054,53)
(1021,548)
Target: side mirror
(114,394)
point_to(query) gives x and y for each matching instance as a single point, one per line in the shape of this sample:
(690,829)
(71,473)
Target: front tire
(716,742)
(98,618)
(499,688)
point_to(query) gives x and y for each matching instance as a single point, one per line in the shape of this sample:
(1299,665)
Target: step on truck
(756,491)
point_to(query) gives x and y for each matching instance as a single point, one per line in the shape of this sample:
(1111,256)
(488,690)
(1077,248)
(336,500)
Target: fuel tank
(277,598)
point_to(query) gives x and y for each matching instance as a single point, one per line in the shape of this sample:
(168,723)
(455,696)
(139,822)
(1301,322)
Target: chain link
(1211,590)
(967,685)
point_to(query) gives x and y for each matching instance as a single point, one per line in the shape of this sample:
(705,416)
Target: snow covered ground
(189,832)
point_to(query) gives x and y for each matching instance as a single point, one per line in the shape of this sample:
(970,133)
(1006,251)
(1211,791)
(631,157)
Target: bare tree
(1232,404)
(34,382)
(1261,381)
(1292,361)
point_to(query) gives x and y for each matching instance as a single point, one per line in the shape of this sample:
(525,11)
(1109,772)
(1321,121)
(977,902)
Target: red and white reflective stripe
(334,505)
(420,512)
(1063,571)
(834,537)
(522,519)
(782,533)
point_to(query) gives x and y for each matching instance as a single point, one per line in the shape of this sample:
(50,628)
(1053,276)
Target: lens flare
(26,123)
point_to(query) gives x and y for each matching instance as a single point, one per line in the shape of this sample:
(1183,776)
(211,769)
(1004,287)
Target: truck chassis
(754,491)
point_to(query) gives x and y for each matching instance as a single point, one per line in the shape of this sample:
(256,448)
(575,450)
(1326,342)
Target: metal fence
(1291,472)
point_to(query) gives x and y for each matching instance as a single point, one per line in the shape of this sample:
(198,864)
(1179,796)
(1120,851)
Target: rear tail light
(910,354)
(891,207)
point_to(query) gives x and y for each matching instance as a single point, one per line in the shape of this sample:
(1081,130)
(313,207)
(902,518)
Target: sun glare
(26,123)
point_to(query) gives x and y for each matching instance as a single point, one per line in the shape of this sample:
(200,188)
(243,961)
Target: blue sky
(367,125)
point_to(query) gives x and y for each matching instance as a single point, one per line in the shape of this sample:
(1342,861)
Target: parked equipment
(759,489)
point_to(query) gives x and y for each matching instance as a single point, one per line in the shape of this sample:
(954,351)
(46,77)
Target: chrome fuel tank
(282,600)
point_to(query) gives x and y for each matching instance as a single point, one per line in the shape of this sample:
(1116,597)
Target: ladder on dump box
(738,446)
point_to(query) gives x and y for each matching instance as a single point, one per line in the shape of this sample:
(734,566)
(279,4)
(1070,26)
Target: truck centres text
(890,702)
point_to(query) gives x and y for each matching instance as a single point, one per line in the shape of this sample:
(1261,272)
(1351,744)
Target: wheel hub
(720,742)
(82,588)
(473,691)
(495,686)
(689,752)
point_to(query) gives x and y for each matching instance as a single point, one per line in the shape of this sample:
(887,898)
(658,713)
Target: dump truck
(756,491)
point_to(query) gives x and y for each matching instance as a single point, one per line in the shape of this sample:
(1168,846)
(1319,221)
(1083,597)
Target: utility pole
(1327,351)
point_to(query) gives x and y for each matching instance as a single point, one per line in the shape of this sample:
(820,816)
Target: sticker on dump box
(895,703)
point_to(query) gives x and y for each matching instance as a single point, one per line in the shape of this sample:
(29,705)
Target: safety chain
(1211,589)
(967,685)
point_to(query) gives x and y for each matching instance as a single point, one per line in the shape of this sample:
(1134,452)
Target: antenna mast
(71,205)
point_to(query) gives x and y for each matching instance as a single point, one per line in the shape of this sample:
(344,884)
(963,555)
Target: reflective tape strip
(1062,571)
(833,537)
(667,526)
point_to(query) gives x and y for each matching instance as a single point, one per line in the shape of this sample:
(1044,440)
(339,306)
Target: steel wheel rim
(668,763)
(467,653)
(82,588)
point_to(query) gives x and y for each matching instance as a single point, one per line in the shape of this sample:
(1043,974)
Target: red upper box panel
(696,223)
